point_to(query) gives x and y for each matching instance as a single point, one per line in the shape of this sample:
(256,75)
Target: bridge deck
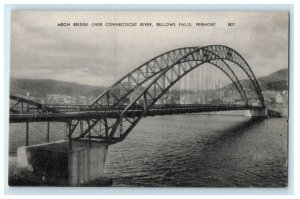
(110,113)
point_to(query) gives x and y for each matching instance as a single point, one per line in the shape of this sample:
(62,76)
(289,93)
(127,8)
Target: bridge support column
(59,165)
(27,133)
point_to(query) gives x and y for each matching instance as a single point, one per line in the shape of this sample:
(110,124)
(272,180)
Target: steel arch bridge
(163,71)
(136,94)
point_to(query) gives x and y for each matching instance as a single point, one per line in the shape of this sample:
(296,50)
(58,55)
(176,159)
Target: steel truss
(149,82)
(21,105)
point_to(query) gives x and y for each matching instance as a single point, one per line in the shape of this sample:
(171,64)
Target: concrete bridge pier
(256,112)
(246,113)
(60,164)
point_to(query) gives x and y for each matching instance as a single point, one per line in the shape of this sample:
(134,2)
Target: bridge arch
(215,55)
(140,76)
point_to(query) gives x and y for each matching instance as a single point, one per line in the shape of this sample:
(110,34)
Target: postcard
(148,98)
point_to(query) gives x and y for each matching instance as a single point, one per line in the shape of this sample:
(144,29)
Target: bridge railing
(64,108)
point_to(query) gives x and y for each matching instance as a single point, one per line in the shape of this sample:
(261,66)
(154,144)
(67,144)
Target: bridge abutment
(64,163)
(256,112)
(245,113)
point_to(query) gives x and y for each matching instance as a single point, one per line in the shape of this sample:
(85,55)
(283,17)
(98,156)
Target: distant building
(81,100)
(278,98)
(60,99)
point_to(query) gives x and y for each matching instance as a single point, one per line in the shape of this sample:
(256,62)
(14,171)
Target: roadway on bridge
(115,113)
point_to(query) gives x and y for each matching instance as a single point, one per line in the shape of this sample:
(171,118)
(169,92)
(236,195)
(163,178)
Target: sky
(100,55)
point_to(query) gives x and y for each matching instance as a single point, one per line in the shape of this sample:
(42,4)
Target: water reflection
(227,152)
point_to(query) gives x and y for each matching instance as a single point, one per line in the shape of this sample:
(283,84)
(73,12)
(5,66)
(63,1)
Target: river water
(192,151)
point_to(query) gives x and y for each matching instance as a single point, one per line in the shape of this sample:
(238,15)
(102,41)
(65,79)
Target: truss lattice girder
(219,62)
(149,69)
(229,54)
(26,104)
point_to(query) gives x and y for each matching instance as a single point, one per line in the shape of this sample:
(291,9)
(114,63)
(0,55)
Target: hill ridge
(41,87)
